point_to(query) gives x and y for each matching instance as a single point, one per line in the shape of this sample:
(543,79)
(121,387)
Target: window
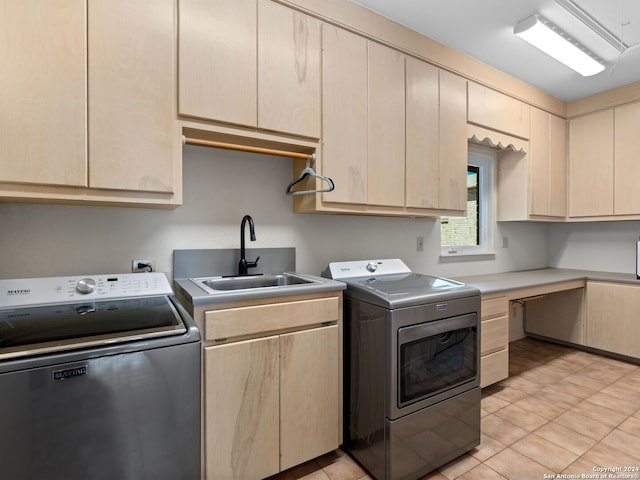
(472,235)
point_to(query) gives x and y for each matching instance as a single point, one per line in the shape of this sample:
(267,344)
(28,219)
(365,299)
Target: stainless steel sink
(216,284)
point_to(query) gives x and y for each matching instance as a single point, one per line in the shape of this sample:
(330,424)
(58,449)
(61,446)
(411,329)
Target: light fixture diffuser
(544,35)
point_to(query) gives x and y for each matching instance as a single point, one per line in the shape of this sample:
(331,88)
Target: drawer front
(494,335)
(494,307)
(494,367)
(258,319)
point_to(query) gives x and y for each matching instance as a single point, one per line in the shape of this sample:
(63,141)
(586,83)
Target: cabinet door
(217,60)
(627,166)
(557,166)
(612,318)
(421,134)
(43,92)
(131,94)
(539,163)
(386,116)
(288,70)
(309,395)
(498,111)
(548,167)
(344,114)
(453,144)
(591,165)
(241,409)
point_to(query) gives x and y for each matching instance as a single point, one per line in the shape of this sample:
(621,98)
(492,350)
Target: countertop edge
(494,283)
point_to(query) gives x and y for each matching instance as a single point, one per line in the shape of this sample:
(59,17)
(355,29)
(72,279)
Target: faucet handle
(253,264)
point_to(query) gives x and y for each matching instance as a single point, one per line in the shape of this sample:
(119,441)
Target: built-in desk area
(588,309)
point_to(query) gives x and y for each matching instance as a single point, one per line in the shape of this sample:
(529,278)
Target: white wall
(220,187)
(603,246)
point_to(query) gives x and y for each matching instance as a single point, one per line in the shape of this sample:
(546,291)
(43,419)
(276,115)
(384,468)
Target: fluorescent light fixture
(542,34)
(582,15)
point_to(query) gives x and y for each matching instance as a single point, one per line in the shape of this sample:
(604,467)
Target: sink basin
(249,282)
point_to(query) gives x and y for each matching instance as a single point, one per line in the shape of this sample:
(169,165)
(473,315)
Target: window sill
(466,256)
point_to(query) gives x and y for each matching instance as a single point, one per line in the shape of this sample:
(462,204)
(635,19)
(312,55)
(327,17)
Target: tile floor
(561,411)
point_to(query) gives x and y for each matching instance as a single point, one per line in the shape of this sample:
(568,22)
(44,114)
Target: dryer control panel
(362,268)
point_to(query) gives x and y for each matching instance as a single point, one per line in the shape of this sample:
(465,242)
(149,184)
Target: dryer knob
(86,285)
(372,266)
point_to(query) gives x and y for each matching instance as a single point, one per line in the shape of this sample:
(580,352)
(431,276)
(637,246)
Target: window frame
(485,160)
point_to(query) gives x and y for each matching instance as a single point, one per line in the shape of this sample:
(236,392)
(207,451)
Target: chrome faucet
(243,266)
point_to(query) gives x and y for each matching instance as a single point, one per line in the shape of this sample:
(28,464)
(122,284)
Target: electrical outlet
(420,244)
(138,266)
(505,242)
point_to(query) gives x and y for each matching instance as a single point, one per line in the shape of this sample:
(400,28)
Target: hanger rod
(245,148)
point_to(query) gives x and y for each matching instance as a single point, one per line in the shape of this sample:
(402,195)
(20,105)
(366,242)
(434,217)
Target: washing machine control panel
(50,290)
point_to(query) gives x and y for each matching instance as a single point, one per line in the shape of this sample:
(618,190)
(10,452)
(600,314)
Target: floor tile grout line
(562,379)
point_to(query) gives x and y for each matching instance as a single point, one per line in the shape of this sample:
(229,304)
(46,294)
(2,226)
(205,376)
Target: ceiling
(483,29)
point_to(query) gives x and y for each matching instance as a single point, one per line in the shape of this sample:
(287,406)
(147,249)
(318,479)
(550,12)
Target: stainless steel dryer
(411,359)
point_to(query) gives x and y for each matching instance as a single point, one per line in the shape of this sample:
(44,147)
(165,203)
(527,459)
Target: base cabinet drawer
(494,335)
(494,367)
(494,340)
(254,320)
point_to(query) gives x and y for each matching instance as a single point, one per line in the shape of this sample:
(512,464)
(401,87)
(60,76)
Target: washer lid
(389,283)
(405,290)
(42,329)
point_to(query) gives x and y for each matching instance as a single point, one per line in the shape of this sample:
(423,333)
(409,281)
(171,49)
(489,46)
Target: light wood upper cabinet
(362,120)
(603,155)
(498,111)
(627,154)
(548,165)
(288,70)
(217,60)
(131,95)
(453,146)
(557,166)
(436,137)
(386,132)
(422,132)
(117,142)
(394,132)
(250,62)
(344,114)
(43,92)
(591,165)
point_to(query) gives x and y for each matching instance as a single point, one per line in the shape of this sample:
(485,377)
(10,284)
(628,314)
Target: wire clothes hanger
(310,172)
